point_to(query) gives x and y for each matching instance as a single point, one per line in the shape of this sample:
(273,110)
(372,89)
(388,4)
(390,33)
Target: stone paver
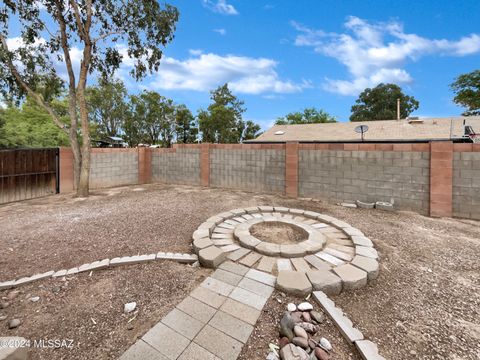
(268,249)
(294,282)
(223,242)
(338,254)
(367,264)
(248,298)
(256,287)
(208,297)
(211,256)
(217,286)
(140,351)
(317,263)
(362,241)
(167,341)
(196,309)
(229,248)
(238,254)
(352,277)
(195,351)
(234,268)
(232,326)
(266,264)
(300,264)
(250,259)
(325,281)
(366,251)
(284,264)
(227,277)
(241,311)
(218,343)
(368,350)
(290,251)
(261,276)
(183,323)
(330,258)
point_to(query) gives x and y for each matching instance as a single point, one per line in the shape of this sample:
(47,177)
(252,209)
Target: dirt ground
(278,233)
(424,305)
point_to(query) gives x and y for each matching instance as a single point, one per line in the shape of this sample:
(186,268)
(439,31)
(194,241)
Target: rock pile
(299,335)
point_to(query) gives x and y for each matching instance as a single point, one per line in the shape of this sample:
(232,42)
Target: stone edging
(101,264)
(335,257)
(367,349)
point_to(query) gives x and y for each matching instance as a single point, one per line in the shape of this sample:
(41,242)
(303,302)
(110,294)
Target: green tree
(248,130)
(307,116)
(154,117)
(50,29)
(222,121)
(186,131)
(380,103)
(467,92)
(107,106)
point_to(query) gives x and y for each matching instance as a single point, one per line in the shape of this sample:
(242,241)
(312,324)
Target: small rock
(348,205)
(196,264)
(312,343)
(308,327)
(299,331)
(325,344)
(129,307)
(4,304)
(286,326)
(292,352)
(3,317)
(300,341)
(318,317)
(55,289)
(272,356)
(321,354)
(291,307)
(13,294)
(283,342)
(14,323)
(34,298)
(306,316)
(297,316)
(305,306)
(129,326)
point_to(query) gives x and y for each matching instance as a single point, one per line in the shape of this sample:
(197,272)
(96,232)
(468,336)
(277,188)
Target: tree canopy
(380,103)
(307,116)
(467,92)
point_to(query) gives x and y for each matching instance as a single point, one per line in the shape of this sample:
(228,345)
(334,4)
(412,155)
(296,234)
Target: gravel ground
(424,305)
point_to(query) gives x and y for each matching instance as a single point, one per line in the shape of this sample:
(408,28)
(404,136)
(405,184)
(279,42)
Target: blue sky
(283,56)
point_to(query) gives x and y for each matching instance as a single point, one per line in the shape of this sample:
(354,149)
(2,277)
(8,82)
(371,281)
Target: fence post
(441,178)
(205,164)
(67,183)
(291,169)
(144,165)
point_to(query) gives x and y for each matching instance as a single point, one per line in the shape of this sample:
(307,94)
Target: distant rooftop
(407,130)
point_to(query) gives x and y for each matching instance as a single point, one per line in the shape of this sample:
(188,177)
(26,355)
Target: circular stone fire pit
(304,250)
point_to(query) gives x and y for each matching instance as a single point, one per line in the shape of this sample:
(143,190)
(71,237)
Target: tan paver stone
(232,326)
(318,225)
(222,236)
(261,276)
(220,230)
(352,231)
(300,264)
(252,209)
(317,263)
(217,286)
(266,208)
(211,256)
(183,323)
(325,281)
(330,258)
(366,251)
(296,211)
(268,249)
(368,350)
(218,343)
(284,264)
(227,277)
(343,242)
(229,248)
(234,268)
(208,297)
(362,241)
(248,298)
(201,243)
(200,233)
(196,309)
(367,264)
(141,351)
(293,250)
(226,225)
(346,249)
(7,284)
(248,241)
(238,254)
(293,282)
(196,352)
(280,209)
(256,287)
(266,264)
(247,217)
(352,277)
(338,254)
(241,311)
(250,259)
(223,242)
(166,341)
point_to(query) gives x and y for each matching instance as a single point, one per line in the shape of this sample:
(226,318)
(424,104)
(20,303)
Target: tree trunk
(83,183)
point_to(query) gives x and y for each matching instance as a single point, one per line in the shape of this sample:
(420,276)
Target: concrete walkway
(213,322)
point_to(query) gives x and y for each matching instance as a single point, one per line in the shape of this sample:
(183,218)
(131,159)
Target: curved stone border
(101,264)
(335,257)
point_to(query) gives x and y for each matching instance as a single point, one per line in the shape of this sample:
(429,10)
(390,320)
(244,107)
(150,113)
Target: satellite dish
(361,129)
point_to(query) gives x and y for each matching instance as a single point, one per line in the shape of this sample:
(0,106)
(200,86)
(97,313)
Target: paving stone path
(213,322)
(334,257)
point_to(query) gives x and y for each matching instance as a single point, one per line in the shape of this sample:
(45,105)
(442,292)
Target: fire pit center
(277,232)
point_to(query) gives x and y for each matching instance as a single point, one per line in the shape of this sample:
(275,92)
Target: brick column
(67,183)
(441,178)
(205,164)
(291,169)
(144,165)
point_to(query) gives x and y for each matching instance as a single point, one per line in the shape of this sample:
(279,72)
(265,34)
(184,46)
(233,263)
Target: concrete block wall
(248,168)
(113,167)
(466,184)
(369,176)
(179,165)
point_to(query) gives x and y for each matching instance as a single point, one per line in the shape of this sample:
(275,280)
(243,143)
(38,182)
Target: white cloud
(220,6)
(204,72)
(220,31)
(377,52)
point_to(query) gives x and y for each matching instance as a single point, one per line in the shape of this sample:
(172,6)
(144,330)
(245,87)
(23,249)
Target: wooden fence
(28,173)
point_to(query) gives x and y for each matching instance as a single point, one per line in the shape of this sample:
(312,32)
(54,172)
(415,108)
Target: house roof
(379,131)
